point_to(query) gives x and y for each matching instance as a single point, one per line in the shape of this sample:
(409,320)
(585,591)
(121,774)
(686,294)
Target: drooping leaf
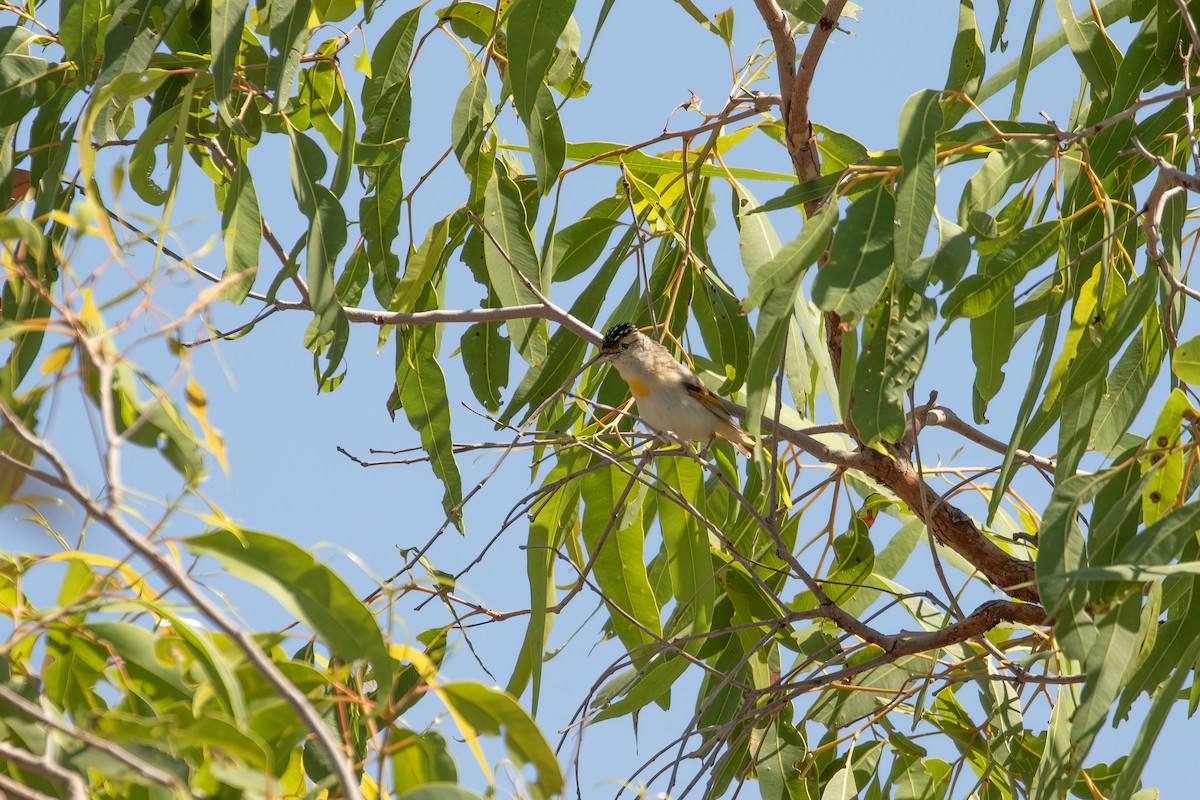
(533,30)
(305,587)
(614,532)
(494,713)
(895,338)
(510,258)
(977,294)
(289,38)
(773,287)
(860,257)
(920,121)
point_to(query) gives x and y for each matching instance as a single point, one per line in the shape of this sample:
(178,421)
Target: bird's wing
(710,401)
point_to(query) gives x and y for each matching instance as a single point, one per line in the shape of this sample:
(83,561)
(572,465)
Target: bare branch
(945,418)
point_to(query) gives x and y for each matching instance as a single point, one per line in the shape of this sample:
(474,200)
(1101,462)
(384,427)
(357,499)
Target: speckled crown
(616,333)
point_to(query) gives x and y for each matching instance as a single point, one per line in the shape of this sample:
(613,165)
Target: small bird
(669,396)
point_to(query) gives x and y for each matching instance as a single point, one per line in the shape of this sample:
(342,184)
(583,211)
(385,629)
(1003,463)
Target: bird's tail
(742,441)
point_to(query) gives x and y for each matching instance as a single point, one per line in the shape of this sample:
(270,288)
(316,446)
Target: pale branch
(76,788)
(1171,180)
(1128,113)
(1190,24)
(179,579)
(551,313)
(138,765)
(943,417)
(12,788)
(785,49)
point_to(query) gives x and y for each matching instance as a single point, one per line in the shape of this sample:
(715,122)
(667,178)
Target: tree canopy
(892,598)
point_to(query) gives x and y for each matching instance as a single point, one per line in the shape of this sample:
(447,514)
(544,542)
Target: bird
(669,396)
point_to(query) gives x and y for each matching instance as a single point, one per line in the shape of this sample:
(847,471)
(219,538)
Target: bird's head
(619,339)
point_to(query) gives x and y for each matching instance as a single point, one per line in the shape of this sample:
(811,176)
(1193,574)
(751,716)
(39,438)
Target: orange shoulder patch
(638,388)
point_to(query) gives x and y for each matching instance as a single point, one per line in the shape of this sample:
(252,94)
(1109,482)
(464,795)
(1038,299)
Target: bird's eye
(624,345)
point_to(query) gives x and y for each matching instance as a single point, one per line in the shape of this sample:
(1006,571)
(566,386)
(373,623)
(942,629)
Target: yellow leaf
(58,359)
(362,62)
(197,404)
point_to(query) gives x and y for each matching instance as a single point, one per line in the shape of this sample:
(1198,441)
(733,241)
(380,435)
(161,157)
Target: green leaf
(226,22)
(16,448)
(685,540)
(1041,365)
(1061,546)
(1160,707)
(998,275)
(1185,361)
(1110,12)
(81,35)
(1105,663)
(420,267)
(1112,327)
(546,142)
(1024,62)
(305,587)
(504,218)
(1016,162)
(143,159)
(649,685)
(473,116)
(860,257)
(289,38)
(854,561)
(25,80)
(774,287)
(636,160)
(421,387)
(533,30)
(420,759)
(781,761)
(839,151)
(136,29)
(800,194)
(326,232)
(723,327)
(577,246)
(614,533)
(490,711)
(553,521)
(566,349)
(895,337)
(920,121)
(1095,53)
(967,64)
(992,339)
(485,358)
(241,230)
(1128,386)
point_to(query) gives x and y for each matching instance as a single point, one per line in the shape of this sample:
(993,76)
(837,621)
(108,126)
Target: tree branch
(143,768)
(44,766)
(174,575)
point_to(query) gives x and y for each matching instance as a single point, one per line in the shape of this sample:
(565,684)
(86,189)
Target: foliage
(786,597)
